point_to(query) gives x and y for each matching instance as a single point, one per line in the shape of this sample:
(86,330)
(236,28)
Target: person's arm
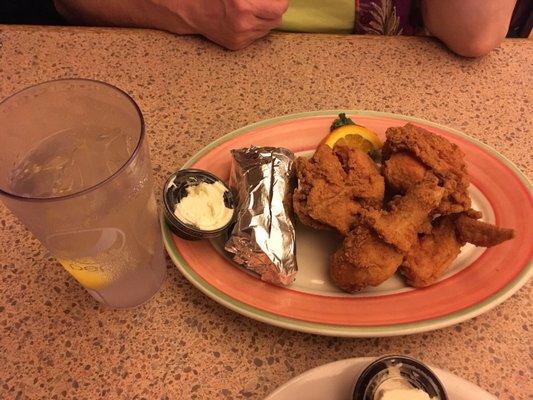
(233,24)
(127,13)
(470,28)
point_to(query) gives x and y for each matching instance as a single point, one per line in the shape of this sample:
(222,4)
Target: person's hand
(233,24)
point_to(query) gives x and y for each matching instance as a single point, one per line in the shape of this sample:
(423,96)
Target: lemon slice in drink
(86,273)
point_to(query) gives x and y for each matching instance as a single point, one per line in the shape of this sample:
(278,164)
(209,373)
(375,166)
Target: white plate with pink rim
(336,381)
(478,280)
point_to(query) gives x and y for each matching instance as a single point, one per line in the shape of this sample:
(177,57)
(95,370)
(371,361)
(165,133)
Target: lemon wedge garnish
(356,136)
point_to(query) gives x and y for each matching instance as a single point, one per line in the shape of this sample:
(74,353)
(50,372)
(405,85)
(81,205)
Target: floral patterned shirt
(378,17)
(388,17)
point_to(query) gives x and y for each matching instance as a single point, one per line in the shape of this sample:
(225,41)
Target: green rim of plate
(340,330)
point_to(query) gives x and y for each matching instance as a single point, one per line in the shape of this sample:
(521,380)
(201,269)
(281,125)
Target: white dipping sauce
(203,207)
(395,387)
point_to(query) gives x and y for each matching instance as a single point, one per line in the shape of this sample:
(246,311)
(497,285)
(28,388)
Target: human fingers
(266,24)
(268,9)
(241,24)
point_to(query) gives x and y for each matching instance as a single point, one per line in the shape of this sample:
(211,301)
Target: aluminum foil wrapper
(263,238)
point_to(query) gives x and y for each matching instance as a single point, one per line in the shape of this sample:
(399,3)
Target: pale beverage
(85,190)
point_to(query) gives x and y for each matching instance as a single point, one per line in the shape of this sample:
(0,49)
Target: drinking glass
(76,171)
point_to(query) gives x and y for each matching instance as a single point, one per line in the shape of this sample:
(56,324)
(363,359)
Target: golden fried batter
(432,255)
(334,185)
(332,205)
(402,172)
(443,158)
(363,260)
(342,189)
(481,233)
(407,215)
(364,178)
(428,259)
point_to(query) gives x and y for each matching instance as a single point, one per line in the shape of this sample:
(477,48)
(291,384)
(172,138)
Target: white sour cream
(395,387)
(404,394)
(204,207)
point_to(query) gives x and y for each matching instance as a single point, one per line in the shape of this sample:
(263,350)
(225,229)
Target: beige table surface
(56,342)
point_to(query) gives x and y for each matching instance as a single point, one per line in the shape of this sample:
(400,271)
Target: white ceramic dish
(336,380)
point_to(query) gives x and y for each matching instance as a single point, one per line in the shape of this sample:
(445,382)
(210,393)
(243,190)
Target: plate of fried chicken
(429,231)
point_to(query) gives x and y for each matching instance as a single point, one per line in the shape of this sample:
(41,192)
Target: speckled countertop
(56,342)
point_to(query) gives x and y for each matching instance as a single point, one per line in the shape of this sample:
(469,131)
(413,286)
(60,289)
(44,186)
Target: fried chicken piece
(443,158)
(432,255)
(407,215)
(322,178)
(363,260)
(332,206)
(364,177)
(402,172)
(371,253)
(304,218)
(471,213)
(334,185)
(481,233)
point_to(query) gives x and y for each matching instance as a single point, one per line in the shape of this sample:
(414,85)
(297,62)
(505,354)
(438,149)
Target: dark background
(30,12)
